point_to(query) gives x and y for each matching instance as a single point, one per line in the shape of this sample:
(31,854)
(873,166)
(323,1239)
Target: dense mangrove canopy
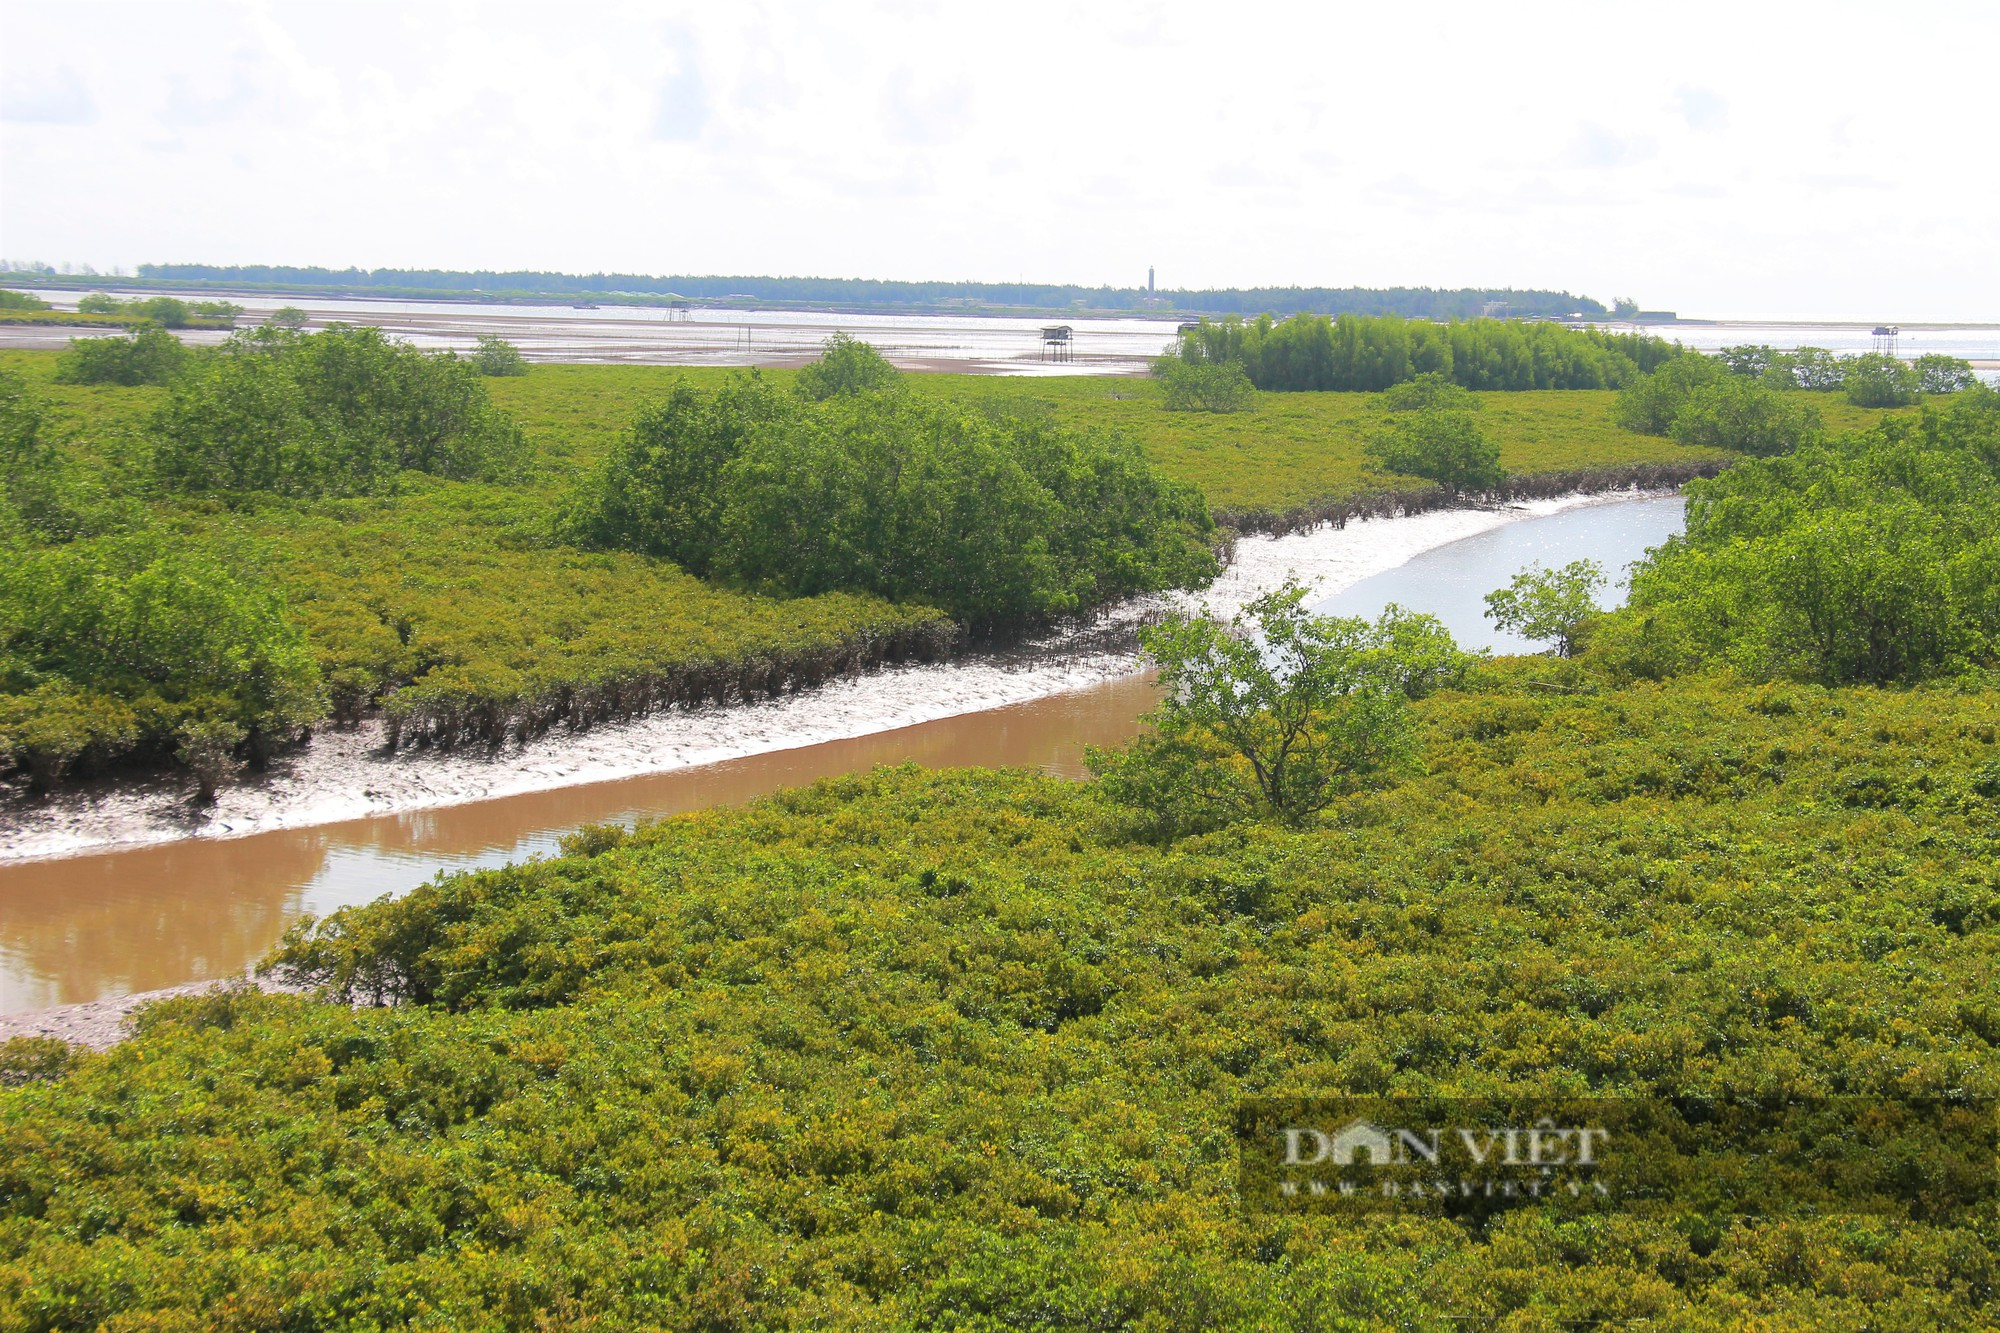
(1356,353)
(1873,557)
(919,1051)
(340,412)
(593,576)
(986,516)
(967,1050)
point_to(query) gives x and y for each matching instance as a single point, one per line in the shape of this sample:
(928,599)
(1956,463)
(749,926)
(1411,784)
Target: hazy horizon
(1782,161)
(1727,317)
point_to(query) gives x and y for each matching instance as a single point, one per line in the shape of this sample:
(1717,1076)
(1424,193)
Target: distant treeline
(1411,302)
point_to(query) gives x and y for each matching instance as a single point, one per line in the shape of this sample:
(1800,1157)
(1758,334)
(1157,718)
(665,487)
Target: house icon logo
(1459,1155)
(1362,1143)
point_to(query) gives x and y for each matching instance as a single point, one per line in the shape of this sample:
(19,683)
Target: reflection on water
(1452,581)
(92,926)
(148,917)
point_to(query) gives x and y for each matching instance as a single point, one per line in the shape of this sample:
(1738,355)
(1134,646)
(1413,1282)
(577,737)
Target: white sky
(1747,158)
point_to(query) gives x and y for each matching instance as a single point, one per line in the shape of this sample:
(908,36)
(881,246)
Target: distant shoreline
(984,342)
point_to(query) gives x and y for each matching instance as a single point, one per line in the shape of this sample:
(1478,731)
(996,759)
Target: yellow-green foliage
(1293,449)
(435,588)
(1296,448)
(943,1050)
(64,317)
(386,587)
(451,597)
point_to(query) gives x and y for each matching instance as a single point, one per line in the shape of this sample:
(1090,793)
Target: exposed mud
(348,774)
(100,1024)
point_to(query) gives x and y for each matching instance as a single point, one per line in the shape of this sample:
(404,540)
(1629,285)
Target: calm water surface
(1121,345)
(1452,581)
(85,927)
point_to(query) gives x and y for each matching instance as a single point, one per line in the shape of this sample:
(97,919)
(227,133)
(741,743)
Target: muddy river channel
(118,892)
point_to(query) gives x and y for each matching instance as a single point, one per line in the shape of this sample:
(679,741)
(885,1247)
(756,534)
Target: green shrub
(1938,373)
(1429,392)
(660,489)
(1650,403)
(919,1050)
(985,516)
(1752,361)
(341,412)
(1446,447)
(1279,712)
(44,495)
(987,519)
(23,441)
(115,644)
(1744,416)
(496,356)
(1815,369)
(847,366)
(221,312)
(1549,605)
(1371,353)
(1204,386)
(1880,381)
(13,300)
(1871,558)
(151,355)
(51,728)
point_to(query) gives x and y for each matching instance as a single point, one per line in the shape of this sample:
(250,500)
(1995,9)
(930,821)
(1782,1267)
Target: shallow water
(1452,581)
(969,343)
(649,335)
(84,927)
(1973,342)
(206,899)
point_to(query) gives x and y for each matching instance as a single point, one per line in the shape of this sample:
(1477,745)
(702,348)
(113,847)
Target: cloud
(771,111)
(1846,180)
(925,117)
(1598,147)
(1404,186)
(1239,175)
(1701,108)
(196,102)
(47,98)
(681,107)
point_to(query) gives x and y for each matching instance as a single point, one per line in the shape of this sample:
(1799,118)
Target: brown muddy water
(113,893)
(85,927)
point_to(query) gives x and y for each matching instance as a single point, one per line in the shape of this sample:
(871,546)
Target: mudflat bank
(100,1024)
(347,773)
(1037,704)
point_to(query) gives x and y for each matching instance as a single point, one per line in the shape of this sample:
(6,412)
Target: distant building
(1149,280)
(1056,345)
